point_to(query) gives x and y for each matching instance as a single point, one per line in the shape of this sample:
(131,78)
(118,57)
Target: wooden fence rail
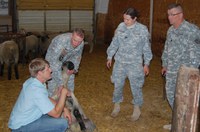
(186,106)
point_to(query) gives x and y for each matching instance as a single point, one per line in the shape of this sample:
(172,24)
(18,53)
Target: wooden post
(186,104)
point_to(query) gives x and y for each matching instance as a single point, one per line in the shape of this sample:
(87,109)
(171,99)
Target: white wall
(55,20)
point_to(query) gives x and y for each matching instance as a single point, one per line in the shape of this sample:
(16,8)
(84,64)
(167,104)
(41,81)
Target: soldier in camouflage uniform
(64,47)
(182,47)
(132,53)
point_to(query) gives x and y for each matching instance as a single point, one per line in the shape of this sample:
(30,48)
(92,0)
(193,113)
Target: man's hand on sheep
(70,72)
(67,114)
(57,92)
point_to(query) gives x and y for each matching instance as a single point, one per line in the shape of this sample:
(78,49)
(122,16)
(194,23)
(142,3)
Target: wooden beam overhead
(55,4)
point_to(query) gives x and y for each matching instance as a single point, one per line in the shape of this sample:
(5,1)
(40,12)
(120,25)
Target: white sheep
(9,54)
(80,122)
(30,48)
(44,40)
(32,44)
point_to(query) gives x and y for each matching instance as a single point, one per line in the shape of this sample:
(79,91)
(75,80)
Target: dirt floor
(94,92)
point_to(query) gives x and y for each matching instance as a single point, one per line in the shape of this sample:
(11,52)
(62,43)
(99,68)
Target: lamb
(79,120)
(9,54)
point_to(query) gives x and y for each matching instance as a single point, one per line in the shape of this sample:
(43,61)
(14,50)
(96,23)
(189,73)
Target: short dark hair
(175,5)
(131,12)
(79,31)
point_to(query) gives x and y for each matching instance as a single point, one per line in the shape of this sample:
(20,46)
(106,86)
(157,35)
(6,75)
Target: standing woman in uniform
(131,50)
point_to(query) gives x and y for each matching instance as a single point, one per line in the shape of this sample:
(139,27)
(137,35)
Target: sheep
(45,40)
(89,39)
(29,49)
(32,44)
(80,122)
(9,54)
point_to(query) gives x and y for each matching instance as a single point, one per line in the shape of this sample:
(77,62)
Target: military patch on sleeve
(197,41)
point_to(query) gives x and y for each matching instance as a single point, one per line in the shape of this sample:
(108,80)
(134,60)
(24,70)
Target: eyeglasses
(174,14)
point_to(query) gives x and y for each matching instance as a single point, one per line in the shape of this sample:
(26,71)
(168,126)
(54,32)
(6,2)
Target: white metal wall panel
(56,20)
(31,20)
(82,19)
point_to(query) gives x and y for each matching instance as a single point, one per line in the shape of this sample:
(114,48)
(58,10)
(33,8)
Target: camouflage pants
(135,75)
(56,81)
(171,78)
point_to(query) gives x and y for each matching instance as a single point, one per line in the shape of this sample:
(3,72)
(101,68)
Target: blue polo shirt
(31,104)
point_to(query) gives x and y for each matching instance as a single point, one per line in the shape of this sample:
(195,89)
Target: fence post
(186,104)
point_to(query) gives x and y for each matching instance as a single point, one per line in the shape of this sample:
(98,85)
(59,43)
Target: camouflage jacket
(131,45)
(61,50)
(182,47)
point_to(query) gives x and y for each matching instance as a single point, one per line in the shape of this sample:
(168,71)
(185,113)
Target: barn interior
(93,88)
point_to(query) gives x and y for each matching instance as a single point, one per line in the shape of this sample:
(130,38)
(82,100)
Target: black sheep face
(68,65)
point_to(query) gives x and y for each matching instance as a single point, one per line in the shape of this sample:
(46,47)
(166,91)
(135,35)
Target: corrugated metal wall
(31,20)
(55,20)
(51,15)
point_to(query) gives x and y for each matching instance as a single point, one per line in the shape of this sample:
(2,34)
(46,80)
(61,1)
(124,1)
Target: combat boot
(116,110)
(167,127)
(136,113)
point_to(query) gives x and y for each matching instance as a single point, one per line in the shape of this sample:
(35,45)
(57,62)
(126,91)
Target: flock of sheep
(24,46)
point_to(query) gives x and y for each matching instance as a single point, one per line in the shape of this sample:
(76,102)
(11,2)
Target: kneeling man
(34,110)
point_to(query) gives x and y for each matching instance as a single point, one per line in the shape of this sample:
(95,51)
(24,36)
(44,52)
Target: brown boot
(116,110)
(136,113)
(167,127)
